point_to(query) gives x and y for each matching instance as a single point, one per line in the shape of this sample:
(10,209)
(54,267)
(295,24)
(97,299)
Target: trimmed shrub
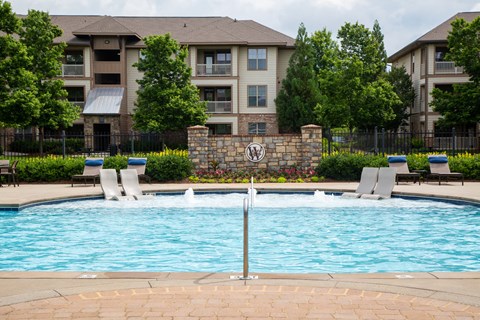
(168,168)
(348,167)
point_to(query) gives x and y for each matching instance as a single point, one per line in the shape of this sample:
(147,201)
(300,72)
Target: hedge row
(174,165)
(161,167)
(348,167)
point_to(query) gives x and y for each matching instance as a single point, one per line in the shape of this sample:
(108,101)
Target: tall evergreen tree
(403,86)
(167,100)
(299,94)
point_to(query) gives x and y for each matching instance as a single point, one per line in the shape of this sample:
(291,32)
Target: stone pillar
(311,145)
(198,147)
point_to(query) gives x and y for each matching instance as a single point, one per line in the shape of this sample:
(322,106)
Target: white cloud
(340,4)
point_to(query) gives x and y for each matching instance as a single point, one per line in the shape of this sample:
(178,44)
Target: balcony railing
(207,70)
(447,67)
(72,70)
(219,107)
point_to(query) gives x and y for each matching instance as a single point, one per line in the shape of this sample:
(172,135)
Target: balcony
(219,106)
(447,67)
(214,70)
(72,70)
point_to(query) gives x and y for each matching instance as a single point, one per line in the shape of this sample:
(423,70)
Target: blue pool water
(295,233)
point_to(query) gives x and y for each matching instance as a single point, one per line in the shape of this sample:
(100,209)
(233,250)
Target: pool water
(294,233)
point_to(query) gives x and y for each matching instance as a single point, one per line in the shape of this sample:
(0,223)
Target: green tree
(167,100)
(299,94)
(18,93)
(354,93)
(461,107)
(403,87)
(333,108)
(37,35)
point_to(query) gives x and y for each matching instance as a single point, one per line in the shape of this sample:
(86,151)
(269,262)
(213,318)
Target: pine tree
(300,94)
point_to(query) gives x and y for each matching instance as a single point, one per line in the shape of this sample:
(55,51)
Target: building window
(257,59)
(224,57)
(76,95)
(440,53)
(107,55)
(74,57)
(107,78)
(257,96)
(257,128)
(219,128)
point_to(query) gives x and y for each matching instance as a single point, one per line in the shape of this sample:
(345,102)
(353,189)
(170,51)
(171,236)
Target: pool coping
(17,287)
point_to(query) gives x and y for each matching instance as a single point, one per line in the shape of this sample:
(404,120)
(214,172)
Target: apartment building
(424,60)
(237,65)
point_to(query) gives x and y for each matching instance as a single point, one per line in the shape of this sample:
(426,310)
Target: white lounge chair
(385,184)
(109,184)
(130,184)
(368,181)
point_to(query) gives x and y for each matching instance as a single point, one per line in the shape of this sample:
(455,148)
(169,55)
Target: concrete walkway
(134,295)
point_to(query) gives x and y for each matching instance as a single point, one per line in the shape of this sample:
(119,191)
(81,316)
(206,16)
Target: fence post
(132,142)
(64,147)
(383,141)
(375,140)
(454,141)
(329,140)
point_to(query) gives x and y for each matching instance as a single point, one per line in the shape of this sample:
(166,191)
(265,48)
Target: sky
(401,21)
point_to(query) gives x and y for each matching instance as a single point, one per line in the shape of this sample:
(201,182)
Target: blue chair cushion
(137,161)
(396,159)
(93,162)
(437,159)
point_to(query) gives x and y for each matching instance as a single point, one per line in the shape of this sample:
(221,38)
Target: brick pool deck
(137,295)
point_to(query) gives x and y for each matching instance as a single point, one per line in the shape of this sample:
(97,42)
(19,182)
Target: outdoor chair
(130,184)
(439,168)
(110,187)
(10,172)
(368,180)
(91,171)
(140,165)
(399,163)
(384,186)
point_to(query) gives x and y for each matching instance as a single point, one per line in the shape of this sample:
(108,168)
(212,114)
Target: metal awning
(104,101)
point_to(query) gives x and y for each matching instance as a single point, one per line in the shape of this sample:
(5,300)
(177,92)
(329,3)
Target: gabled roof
(438,34)
(186,30)
(106,26)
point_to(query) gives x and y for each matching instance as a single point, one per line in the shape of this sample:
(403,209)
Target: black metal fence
(382,142)
(101,145)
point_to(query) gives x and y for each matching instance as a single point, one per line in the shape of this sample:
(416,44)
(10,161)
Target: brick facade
(281,151)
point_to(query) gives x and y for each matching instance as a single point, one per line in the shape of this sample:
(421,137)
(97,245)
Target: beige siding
(282,66)
(261,77)
(87,57)
(132,75)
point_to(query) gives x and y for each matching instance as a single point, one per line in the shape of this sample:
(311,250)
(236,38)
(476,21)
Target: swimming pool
(294,233)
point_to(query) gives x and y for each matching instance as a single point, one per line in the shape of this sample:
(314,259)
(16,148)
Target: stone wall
(281,151)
